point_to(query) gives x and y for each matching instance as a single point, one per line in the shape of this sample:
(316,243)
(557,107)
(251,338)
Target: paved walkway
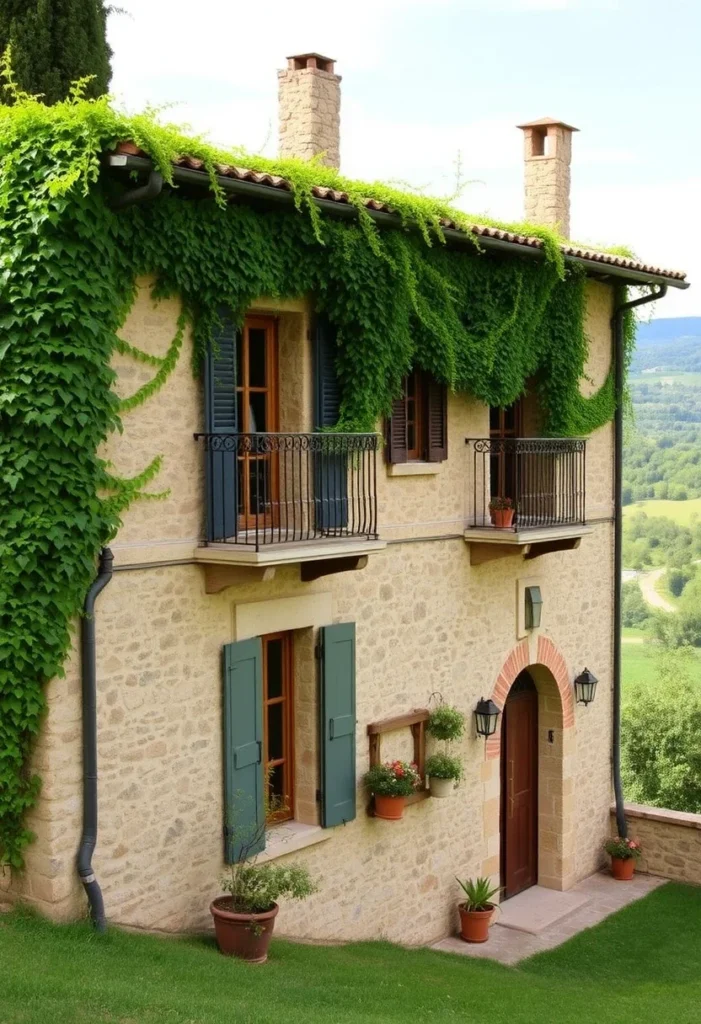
(539,919)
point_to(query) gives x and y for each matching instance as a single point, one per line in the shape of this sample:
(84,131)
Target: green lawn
(637,664)
(679,511)
(640,965)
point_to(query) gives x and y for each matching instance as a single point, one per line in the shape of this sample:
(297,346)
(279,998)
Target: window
(504,424)
(417,428)
(278,724)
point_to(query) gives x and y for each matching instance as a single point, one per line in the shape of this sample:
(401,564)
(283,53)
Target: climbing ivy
(68,265)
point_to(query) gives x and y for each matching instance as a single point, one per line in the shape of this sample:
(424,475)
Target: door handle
(510,788)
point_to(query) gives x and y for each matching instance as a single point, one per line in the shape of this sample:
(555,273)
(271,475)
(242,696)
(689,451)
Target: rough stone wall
(426,620)
(547,181)
(670,840)
(310,114)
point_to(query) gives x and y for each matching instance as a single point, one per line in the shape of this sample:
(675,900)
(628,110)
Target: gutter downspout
(150,190)
(618,355)
(88,837)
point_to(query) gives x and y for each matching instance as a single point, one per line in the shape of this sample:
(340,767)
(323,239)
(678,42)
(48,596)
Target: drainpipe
(88,838)
(618,356)
(150,190)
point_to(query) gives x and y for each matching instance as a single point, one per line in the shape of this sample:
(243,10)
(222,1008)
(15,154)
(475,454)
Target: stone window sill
(414,469)
(290,837)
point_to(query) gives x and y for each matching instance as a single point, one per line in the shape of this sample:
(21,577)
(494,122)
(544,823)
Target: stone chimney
(309,99)
(547,155)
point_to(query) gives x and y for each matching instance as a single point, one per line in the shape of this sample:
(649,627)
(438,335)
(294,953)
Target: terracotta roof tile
(480,230)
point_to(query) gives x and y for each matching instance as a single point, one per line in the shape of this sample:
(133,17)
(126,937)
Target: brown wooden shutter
(396,449)
(437,416)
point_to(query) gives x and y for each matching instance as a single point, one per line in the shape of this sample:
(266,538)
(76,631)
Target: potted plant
(444,773)
(446,723)
(624,854)
(501,512)
(390,784)
(245,917)
(477,910)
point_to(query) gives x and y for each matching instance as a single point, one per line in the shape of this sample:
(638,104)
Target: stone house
(298,600)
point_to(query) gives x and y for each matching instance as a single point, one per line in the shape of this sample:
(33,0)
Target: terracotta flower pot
(128,148)
(391,808)
(623,869)
(503,517)
(441,788)
(246,936)
(474,924)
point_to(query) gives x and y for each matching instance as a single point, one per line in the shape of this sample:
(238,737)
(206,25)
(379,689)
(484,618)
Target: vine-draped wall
(68,266)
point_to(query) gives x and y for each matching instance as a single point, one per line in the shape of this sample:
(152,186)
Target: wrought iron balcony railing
(266,489)
(544,479)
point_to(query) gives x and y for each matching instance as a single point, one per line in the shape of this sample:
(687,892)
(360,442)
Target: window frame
(286,698)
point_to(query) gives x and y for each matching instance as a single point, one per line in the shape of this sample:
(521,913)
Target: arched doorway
(519,787)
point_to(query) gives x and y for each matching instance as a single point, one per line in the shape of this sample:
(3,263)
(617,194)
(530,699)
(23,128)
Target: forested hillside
(662,457)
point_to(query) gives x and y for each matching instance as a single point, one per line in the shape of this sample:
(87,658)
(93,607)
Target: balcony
(278,499)
(545,481)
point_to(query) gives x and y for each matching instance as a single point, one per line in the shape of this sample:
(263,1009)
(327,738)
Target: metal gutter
(252,190)
(618,356)
(88,838)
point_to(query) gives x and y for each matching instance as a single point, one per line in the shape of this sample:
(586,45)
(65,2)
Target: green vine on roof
(68,264)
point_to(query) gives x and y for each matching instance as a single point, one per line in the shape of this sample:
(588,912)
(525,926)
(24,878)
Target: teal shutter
(331,458)
(244,805)
(221,418)
(337,724)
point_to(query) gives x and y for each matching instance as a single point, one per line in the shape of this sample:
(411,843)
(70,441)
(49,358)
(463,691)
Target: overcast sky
(426,80)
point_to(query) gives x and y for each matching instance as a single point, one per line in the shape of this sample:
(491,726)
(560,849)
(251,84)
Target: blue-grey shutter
(221,418)
(244,778)
(331,461)
(338,787)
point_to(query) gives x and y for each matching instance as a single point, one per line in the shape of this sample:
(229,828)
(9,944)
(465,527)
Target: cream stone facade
(426,620)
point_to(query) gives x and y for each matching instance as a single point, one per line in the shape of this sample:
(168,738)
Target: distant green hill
(672,344)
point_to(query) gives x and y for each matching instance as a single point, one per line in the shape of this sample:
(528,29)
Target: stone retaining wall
(671,841)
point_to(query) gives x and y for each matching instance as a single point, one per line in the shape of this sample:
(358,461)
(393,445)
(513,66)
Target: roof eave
(187,175)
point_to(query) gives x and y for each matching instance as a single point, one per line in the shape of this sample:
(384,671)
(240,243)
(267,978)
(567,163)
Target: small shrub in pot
(444,773)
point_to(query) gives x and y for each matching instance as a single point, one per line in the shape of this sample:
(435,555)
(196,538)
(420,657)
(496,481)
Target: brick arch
(520,659)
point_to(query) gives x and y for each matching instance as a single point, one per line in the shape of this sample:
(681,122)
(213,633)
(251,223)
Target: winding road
(648,584)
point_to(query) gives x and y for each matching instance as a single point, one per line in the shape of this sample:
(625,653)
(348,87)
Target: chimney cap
(546,122)
(299,61)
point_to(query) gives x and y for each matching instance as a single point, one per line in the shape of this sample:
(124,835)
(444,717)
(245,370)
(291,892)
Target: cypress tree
(55,42)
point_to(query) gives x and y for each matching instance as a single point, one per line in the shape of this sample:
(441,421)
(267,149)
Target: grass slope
(679,511)
(641,964)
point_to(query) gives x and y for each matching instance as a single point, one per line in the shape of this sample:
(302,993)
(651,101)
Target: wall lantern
(534,607)
(486,715)
(585,687)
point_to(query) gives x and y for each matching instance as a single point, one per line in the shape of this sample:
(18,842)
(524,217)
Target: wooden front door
(519,787)
(257,413)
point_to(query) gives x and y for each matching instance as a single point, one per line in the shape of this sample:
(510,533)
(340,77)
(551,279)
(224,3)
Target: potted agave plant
(477,910)
(444,773)
(623,853)
(390,784)
(501,512)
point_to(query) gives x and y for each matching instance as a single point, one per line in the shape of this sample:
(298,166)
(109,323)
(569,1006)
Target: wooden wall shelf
(416,721)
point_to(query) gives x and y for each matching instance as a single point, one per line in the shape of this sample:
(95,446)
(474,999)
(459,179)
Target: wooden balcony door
(257,413)
(519,787)
(504,423)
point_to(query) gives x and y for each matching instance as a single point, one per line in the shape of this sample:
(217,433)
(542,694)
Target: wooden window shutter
(244,778)
(220,418)
(396,447)
(338,786)
(327,392)
(330,468)
(437,421)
